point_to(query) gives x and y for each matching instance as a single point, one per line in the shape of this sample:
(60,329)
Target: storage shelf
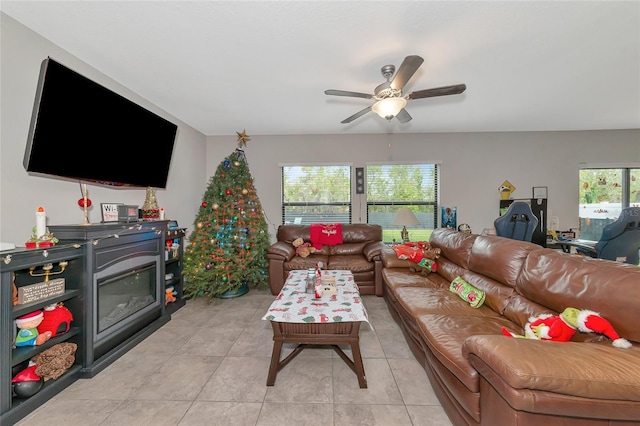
(24,353)
(21,407)
(17,271)
(19,310)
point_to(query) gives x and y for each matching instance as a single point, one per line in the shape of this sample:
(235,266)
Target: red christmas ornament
(204,204)
(81,202)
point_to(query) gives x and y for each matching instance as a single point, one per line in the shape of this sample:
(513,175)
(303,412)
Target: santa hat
(27,375)
(589,321)
(32,316)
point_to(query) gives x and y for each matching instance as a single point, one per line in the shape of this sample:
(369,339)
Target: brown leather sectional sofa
(360,252)
(482,377)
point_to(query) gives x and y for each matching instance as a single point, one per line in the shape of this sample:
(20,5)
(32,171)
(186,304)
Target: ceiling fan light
(389,107)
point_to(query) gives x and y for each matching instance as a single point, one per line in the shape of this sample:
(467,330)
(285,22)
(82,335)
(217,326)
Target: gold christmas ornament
(245,191)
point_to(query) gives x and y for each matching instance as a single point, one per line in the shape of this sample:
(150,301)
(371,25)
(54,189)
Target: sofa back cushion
(455,246)
(497,295)
(346,248)
(499,258)
(351,233)
(560,280)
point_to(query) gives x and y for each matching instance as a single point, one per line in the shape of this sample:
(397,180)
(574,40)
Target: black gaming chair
(518,223)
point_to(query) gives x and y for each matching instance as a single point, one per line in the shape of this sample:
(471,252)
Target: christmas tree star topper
(242,138)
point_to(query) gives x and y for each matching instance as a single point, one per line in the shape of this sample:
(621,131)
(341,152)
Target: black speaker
(359,180)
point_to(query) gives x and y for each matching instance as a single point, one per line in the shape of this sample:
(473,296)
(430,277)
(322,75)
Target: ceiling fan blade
(356,115)
(408,67)
(438,91)
(403,116)
(346,93)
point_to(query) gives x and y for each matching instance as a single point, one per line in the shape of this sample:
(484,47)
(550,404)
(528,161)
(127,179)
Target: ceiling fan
(390,101)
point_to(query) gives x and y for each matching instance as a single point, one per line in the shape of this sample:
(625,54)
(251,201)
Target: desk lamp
(405,217)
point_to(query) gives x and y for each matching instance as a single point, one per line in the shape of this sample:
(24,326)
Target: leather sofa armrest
(588,370)
(390,260)
(281,251)
(372,251)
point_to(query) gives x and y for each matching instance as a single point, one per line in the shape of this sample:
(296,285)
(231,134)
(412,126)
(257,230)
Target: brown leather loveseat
(483,377)
(359,252)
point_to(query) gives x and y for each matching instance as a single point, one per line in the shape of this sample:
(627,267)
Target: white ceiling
(225,66)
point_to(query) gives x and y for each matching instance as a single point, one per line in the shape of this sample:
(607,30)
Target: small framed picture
(540,192)
(109,211)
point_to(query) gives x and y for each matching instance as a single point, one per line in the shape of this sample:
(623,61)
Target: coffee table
(333,319)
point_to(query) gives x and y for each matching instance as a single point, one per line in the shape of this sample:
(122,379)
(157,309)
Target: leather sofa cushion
(445,335)
(352,233)
(419,301)
(557,281)
(351,262)
(449,270)
(497,295)
(310,261)
(566,368)
(500,258)
(390,259)
(455,246)
(395,278)
(346,249)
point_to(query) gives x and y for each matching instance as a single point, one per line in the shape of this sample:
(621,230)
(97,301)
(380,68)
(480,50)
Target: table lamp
(405,217)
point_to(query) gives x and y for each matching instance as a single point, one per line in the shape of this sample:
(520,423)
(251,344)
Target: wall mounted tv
(83,131)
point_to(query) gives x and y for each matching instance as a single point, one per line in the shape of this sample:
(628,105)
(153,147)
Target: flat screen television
(83,131)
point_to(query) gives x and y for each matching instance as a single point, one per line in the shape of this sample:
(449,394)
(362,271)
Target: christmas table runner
(294,304)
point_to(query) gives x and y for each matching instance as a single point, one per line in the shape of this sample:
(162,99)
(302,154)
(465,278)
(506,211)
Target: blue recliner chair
(620,240)
(518,223)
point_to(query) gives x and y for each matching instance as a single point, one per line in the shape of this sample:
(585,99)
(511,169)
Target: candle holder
(47,270)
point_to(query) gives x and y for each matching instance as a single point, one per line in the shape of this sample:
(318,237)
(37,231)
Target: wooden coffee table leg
(357,356)
(275,362)
(358,365)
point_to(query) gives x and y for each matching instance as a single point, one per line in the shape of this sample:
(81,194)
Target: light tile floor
(209,364)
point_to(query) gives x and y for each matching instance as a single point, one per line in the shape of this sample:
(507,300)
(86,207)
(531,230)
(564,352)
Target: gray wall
(22,51)
(473,164)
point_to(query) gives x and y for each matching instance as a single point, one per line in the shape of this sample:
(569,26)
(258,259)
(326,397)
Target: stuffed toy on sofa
(421,253)
(303,249)
(561,328)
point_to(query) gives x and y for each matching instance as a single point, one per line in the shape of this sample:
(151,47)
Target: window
(604,192)
(392,186)
(316,194)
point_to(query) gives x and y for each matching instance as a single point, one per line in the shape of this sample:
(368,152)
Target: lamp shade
(405,217)
(389,107)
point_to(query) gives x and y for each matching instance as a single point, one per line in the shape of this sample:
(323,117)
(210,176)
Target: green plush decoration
(467,292)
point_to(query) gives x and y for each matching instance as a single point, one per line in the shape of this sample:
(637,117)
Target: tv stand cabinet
(16,264)
(117,249)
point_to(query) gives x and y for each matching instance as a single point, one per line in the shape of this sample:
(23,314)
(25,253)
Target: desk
(300,318)
(587,245)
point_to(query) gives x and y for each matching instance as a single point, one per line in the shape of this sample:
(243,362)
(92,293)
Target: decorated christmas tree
(227,251)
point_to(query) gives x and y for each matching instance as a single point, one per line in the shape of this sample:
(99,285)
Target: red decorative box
(38,244)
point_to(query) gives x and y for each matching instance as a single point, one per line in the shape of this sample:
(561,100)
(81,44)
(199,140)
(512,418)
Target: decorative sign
(39,291)
(109,211)
(540,192)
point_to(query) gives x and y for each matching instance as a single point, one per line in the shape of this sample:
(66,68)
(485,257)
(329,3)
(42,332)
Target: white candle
(41,222)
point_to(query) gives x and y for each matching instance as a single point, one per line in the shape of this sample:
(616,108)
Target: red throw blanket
(329,234)
(414,252)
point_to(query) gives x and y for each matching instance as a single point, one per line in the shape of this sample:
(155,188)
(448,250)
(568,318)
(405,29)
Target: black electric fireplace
(124,286)
(126,298)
